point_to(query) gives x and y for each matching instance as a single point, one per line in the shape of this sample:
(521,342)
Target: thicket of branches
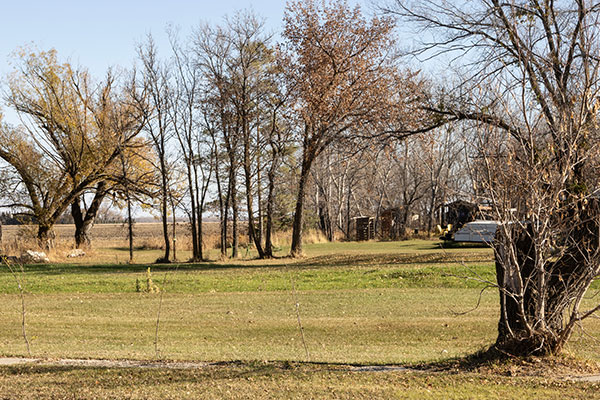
(529,91)
(227,123)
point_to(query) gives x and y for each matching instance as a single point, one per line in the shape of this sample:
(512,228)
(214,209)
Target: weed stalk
(18,276)
(300,326)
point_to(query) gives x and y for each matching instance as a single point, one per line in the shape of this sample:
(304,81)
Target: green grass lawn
(359,303)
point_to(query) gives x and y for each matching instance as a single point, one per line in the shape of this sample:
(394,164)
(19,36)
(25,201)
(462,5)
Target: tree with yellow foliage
(72,132)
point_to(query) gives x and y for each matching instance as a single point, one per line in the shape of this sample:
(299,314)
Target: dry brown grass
(147,236)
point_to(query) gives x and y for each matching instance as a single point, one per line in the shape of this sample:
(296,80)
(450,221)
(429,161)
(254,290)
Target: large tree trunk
(46,235)
(515,335)
(84,223)
(270,201)
(348,219)
(234,221)
(165,214)
(260,221)
(269,227)
(252,232)
(297,225)
(192,176)
(325,222)
(225,222)
(129,226)
(199,210)
(201,202)
(222,208)
(534,303)
(174,229)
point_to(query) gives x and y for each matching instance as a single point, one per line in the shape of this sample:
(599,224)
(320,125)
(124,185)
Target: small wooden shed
(365,228)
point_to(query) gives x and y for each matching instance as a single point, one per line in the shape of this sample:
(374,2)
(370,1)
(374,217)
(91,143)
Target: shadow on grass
(213,371)
(389,259)
(493,361)
(482,359)
(448,244)
(335,260)
(486,362)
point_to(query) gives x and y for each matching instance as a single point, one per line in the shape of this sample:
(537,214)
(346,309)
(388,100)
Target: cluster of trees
(413,178)
(328,121)
(229,122)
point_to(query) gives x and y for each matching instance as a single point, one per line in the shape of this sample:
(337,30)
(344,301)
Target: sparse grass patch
(260,380)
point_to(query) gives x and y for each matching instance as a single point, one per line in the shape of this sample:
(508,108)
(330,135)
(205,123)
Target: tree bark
(252,233)
(198,217)
(222,207)
(165,216)
(297,225)
(46,235)
(269,227)
(201,203)
(522,329)
(129,225)
(234,220)
(174,227)
(225,222)
(84,223)
(193,188)
(348,219)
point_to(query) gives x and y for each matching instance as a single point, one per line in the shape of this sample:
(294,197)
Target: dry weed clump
(147,236)
(24,237)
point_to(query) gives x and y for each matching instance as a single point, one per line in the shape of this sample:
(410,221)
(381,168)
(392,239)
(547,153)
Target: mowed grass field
(407,303)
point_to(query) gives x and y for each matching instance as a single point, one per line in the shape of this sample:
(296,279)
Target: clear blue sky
(100,33)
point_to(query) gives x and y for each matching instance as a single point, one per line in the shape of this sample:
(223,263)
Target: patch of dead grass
(491,362)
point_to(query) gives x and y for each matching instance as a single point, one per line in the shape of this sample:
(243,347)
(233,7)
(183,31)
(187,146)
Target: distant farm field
(110,241)
(104,235)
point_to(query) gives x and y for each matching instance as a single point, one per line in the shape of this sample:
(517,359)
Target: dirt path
(96,363)
(8,361)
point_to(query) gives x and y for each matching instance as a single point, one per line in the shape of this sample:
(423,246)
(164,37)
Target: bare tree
(250,58)
(439,153)
(213,50)
(278,134)
(184,114)
(530,90)
(339,67)
(155,82)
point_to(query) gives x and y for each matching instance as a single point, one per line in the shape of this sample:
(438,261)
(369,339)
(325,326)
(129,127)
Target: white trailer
(477,232)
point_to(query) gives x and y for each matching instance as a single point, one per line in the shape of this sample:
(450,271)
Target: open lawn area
(359,304)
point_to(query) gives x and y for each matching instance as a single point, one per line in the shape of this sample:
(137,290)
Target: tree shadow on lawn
(391,259)
(486,362)
(336,260)
(449,244)
(492,361)
(221,370)
(58,269)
